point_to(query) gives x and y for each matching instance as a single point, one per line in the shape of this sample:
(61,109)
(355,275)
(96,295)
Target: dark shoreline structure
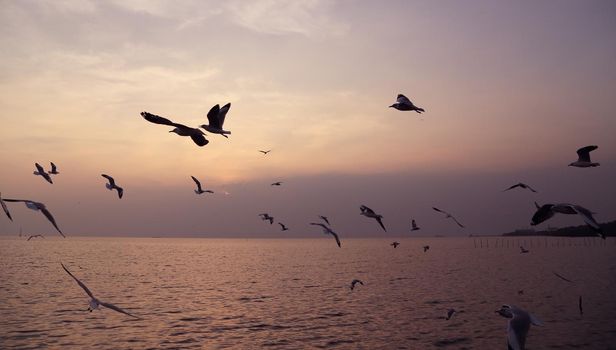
(609,229)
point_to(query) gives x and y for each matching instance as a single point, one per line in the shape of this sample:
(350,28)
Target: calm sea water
(294,293)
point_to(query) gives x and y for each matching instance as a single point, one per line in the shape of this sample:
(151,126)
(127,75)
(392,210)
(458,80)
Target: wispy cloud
(306,17)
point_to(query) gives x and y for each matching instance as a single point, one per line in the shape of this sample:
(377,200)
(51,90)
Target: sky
(511,90)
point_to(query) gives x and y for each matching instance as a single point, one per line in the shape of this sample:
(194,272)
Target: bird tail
(419,110)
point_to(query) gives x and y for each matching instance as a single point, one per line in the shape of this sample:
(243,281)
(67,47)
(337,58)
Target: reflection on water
(294,293)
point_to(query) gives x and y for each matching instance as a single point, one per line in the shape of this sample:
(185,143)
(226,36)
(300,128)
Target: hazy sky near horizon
(511,90)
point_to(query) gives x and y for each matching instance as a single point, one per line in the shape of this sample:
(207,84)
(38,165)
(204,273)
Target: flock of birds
(520,320)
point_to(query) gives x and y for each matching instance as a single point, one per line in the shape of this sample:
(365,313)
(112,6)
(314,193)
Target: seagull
(447,215)
(425,248)
(521,292)
(324,218)
(369,213)
(283,227)
(521,185)
(584,157)
(580,306)
(36,206)
(54,170)
(354,282)
(266,216)
(523,250)
(450,313)
(5,208)
(40,171)
(277,183)
(546,211)
(328,231)
(414,225)
(199,190)
(265,152)
(562,278)
(216,118)
(518,325)
(395,244)
(195,134)
(404,104)
(95,303)
(112,185)
(34,236)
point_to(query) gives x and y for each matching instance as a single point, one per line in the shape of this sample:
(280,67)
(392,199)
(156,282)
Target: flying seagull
(37,206)
(354,282)
(95,303)
(546,211)
(404,104)
(580,306)
(5,208)
(518,326)
(34,236)
(521,185)
(414,225)
(283,227)
(277,183)
(447,215)
(562,278)
(266,216)
(369,213)
(523,250)
(426,248)
(450,313)
(195,134)
(265,152)
(328,231)
(216,118)
(54,169)
(199,190)
(324,218)
(395,244)
(112,185)
(584,157)
(40,171)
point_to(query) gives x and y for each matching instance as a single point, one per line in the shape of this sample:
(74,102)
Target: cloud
(307,17)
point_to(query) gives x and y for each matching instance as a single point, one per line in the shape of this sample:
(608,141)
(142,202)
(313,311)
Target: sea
(203,293)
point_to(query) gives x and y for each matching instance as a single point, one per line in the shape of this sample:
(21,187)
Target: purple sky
(511,90)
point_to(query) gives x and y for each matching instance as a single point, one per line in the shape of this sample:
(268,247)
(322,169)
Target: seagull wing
(512,187)
(120,191)
(336,237)
(587,216)
(51,219)
(381,223)
(111,180)
(365,209)
(53,167)
(324,218)
(530,188)
(457,222)
(42,172)
(440,211)
(562,277)
(156,119)
(403,99)
(83,286)
(584,153)
(199,139)
(222,114)
(115,308)
(5,208)
(212,117)
(198,183)
(589,220)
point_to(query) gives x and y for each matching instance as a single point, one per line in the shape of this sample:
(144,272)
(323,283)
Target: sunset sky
(511,90)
